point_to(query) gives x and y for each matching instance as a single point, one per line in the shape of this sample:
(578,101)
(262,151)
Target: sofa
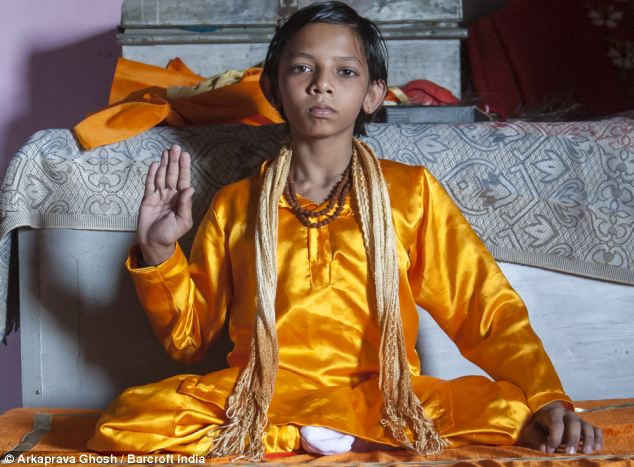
(553,202)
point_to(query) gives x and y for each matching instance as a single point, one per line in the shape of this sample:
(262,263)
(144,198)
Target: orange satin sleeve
(187,303)
(455,278)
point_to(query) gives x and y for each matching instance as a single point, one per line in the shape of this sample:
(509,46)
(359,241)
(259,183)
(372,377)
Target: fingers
(184,175)
(172,172)
(552,425)
(573,432)
(577,430)
(159,180)
(173,166)
(184,207)
(554,421)
(588,438)
(149,179)
(534,436)
(598,438)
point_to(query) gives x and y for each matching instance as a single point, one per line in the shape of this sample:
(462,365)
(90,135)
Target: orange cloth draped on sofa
(139,100)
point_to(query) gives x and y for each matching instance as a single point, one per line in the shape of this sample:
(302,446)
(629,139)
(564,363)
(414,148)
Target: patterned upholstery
(553,195)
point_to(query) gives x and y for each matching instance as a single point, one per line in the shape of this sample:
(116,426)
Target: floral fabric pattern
(613,21)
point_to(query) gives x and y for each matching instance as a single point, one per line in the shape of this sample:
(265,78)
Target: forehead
(320,39)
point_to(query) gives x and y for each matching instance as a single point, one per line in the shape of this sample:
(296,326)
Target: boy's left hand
(553,425)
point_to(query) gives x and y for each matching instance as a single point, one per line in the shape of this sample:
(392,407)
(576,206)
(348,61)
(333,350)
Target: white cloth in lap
(324,441)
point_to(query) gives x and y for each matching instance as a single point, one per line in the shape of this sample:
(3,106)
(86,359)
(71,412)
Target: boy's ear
(265,86)
(374,96)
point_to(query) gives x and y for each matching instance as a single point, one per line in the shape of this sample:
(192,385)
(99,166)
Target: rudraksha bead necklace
(336,199)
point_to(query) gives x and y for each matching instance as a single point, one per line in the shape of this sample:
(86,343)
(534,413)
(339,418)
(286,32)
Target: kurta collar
(306,203)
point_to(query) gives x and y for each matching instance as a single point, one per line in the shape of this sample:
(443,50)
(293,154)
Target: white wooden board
(586,327)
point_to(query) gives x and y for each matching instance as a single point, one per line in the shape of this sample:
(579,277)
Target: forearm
(491,327)
(509,350)
(182,319)
(151,255)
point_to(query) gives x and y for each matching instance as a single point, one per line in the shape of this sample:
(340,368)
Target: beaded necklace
(335,199)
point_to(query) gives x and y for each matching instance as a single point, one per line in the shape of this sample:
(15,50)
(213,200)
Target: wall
(57,59)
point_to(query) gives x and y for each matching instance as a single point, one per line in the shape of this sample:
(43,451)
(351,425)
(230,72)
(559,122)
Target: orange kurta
(327,329)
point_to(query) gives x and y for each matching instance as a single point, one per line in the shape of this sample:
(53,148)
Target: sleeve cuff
(540,400)
(157,287)
(132,262)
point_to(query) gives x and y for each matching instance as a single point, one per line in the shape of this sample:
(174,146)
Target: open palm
(165,214)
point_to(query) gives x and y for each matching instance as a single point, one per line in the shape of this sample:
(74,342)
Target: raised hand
(553,425)
(165,214)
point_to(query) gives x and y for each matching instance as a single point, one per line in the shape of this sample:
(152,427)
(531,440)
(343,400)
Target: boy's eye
(348,72)
(300,68)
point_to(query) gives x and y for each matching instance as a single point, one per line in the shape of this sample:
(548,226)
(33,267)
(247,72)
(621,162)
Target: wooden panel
(263,34)
(143,13)
(30,312)
(205,59)
(434,114)
(437,61)
(404,10)
(146,13)
(84,334)
(585,325)
(423,35)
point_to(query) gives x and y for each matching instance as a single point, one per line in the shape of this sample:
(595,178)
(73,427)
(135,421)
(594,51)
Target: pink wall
(57,59)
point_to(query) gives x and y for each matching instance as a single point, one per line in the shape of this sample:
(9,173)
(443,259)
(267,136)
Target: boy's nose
(321,85)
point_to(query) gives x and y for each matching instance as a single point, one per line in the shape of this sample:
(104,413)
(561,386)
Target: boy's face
(323,81)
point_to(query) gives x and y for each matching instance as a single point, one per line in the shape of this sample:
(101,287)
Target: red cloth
(424,92)
(538,51)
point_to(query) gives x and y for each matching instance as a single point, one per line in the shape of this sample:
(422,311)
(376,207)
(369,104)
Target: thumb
(184,207)
(534,436)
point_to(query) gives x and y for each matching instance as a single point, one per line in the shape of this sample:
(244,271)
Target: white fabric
(324,441)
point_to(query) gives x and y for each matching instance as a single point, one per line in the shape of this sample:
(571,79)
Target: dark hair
(332,12)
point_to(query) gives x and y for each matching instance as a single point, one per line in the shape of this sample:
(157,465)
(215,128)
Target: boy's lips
(321,111)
